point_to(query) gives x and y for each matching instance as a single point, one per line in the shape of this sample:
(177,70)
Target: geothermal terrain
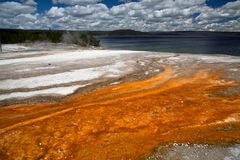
(65,102)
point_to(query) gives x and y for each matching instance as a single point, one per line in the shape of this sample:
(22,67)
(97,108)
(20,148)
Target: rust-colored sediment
(123,121)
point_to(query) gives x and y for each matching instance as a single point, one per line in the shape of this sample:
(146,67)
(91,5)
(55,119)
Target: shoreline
(88,85)
(152,100)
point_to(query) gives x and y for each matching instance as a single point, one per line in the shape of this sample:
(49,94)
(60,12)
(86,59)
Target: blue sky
(44,5)
(144,15)
(47,4)
(217,3)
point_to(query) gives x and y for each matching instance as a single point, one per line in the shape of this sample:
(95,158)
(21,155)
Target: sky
(141,15)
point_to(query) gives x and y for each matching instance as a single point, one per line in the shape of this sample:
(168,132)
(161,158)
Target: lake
(179,42)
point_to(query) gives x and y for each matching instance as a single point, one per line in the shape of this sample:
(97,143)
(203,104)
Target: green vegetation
(82,38)
(126,32)
(74,37)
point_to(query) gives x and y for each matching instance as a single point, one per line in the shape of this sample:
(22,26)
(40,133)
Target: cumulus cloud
(75,2)
(226,13)
(56,12)
(125,1)
(156,4)
(143,15)
(12,9)
(29,2)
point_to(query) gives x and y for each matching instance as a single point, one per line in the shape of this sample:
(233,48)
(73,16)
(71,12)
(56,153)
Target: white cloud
(75,2)
(145,15)
(11,9)
(79,11)
(227,12)
(55,12)
(26,17)
(125,1)
(29,2)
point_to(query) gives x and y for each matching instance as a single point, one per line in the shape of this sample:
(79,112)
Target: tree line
(9,36)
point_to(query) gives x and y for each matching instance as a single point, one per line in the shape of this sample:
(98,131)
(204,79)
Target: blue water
(179,42)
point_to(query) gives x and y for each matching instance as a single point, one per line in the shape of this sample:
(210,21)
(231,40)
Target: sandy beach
(66,102)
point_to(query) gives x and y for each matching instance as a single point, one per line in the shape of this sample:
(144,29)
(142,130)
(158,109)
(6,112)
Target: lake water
(180,42)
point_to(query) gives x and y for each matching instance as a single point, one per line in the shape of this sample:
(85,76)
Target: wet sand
(165,100)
